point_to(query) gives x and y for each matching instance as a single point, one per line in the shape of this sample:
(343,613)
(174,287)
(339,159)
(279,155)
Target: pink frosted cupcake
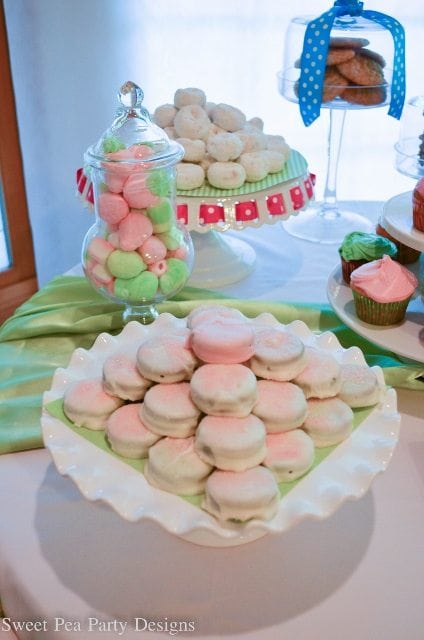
(418,205)
(382,290)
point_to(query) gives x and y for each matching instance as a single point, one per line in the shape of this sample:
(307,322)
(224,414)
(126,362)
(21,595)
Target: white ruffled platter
(346,472)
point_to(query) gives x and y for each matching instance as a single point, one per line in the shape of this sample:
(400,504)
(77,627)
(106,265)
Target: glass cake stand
(326,222)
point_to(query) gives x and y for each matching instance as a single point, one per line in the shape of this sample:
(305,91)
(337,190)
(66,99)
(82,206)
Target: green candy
(161,216)
(175,276)
(139,289)
(159,182)
(172,239)
(125,264)
(112,144)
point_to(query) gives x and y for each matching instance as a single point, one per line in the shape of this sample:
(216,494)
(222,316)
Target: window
(17,269)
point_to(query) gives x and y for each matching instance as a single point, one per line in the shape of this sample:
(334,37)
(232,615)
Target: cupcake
(381,291)
(405,254)
(359,248)
(418,205)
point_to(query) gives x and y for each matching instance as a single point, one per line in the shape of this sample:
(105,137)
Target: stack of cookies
(353,73)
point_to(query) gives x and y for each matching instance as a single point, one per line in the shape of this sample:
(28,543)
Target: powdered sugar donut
(278,143)
(188,96)
(192,122)
(224,146)
(252,140)
(174,466)
(280,405)
(228,117)
(171,133)
(122,378)
(209,107)
(194,150)
(166,359)
(189,176)
(242,495)
(321,376)
(231,444)
(224,389)
(256,122)
(127,434)
(168,410)
(206,163)
(87,404)
(226,175)
(255,165)
(164,115)
(275,160)
(328,421)
(289,455)
(214,130)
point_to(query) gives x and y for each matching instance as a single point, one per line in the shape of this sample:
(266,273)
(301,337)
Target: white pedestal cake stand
(209,212)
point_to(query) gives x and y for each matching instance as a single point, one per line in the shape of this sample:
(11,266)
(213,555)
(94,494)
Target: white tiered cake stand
(209,212)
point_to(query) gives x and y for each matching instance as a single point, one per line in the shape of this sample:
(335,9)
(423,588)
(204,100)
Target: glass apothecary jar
(410,146)
(136,253)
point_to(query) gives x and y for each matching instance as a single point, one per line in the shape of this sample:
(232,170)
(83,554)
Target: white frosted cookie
(168,410)
(279,354)
(360,386)
(222,342)
(289,455)
(242,495)
(226,175)
(255,164)
(228,117)
(224,389)
(87,404)
(321,376)
(122,378)
(164,115)
(173,465)
(281,406)
(207,312)
(328,421)
(192,122)
(224,146)
(188,96)
(166,359)
(127,434)
(231,444)
(189,176)
(194,150)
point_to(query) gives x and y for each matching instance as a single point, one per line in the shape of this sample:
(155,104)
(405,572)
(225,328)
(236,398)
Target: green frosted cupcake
(359,247)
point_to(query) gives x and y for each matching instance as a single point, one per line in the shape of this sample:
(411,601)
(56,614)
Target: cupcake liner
(418,212)
(348,266)
(379,313)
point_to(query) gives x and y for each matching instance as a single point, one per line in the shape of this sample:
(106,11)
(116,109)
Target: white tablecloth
(66,563)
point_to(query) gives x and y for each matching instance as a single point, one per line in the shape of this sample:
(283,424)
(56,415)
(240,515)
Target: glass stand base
(145,314)
(328,226)
(220,260)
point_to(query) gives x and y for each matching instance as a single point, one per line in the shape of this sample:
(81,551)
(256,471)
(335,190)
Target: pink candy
(137,194)
(99,249)
(152,250)
(112,207)
(134,230)
(159,268)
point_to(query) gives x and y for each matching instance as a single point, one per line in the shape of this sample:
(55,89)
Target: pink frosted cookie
(127,434)
(231,444)
(112,207)
(174,466)
(207,312)
(134,230)
(168,410)
(289,455)
(87,404)
(166,359)
(281,405)
(279,355)
(321,376)
(122,378)
(220,342)
(360,386)
(242,495)
(224,389)
(328,422)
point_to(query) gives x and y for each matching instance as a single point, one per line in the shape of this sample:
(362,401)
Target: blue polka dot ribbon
(314,56)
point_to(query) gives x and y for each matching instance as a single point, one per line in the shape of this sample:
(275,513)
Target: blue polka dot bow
(314,56)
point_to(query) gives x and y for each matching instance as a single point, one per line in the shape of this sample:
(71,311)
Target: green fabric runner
(68,313)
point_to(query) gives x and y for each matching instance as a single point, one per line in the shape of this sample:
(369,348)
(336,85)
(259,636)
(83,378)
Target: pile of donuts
(142,253)
(221,147)
(223,406)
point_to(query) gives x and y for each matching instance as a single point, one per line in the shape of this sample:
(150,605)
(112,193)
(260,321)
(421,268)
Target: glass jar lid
(132,136)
